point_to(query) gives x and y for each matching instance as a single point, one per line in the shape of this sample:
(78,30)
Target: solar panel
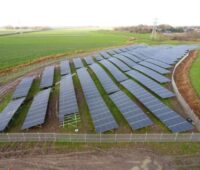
(116,73)
(47,77)
(132,57)
(158,63)
(78,63)
(101,116)
(89,60)
(151,85)
(138,55)
(150,73)
(126,60)
(106,81)
(67,99)
(111,52)
(135,117)
(154,67)
(98,57)
(105,54)
(141,53)
(118,51)
(23,87)
(64,68)
(123,49)
(7,114)
(37,111)
(166,115)
(119,64)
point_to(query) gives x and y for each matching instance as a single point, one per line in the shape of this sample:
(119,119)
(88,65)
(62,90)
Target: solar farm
(123,90)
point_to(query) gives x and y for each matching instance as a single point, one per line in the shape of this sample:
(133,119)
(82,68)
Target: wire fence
(99,138)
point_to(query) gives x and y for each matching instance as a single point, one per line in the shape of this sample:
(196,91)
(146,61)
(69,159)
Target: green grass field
(195,75)
(23,48)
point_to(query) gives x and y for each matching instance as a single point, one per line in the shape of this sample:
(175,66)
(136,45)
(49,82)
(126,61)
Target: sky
(103,13)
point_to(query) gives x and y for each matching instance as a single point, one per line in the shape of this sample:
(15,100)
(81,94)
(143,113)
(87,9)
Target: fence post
(55,139)
(115,137)
(191,136)
(23,137)
(8,137)
(176,136)
(38,136)
(145,138)
(130,139)
(161,135)
(70,137)
(85,137)
(100,137)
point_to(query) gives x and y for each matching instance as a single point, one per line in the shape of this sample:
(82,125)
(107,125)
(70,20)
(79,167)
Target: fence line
(181,100)
(99,138)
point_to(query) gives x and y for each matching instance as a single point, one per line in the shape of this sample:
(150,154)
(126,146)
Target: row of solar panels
(37,111)
(68,103)
(18,99)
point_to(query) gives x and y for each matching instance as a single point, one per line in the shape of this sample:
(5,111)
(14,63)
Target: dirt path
(184,85)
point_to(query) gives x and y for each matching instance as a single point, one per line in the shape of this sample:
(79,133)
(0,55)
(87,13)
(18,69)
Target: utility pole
(154,30)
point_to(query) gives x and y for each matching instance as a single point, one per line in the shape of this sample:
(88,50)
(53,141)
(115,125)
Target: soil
(98,159)
(46,156)
(184,84)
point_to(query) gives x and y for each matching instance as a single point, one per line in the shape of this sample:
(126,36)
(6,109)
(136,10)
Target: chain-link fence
(99,138)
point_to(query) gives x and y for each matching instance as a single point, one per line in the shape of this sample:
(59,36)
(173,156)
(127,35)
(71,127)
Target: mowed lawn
(195,74)
(18,49)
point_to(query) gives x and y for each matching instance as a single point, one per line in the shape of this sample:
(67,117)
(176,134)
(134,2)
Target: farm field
(23,48)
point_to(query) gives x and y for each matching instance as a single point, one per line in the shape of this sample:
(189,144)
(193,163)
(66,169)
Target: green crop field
(195,74)
(22,48)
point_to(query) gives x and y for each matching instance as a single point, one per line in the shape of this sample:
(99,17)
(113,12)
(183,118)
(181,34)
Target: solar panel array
(126,60)
(135,117)
(105,54)
(111,52)
(37,111)
(101,116)
(117,51)
(159,63)
(89,60)
(98,57)
(132,57)
(47,77)
(167,116)
(154,67)
(116,73)
(138,55)
(150,61)
(23,87)
(119,64)
(151,85)
(67,99)
(64,68)
(150,73)
(7,114)
(78,63)
(106,81)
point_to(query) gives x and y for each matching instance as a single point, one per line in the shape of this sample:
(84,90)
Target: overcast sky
(98,12)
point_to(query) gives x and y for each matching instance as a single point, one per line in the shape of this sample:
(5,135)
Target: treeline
(160,28)
(9,27)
